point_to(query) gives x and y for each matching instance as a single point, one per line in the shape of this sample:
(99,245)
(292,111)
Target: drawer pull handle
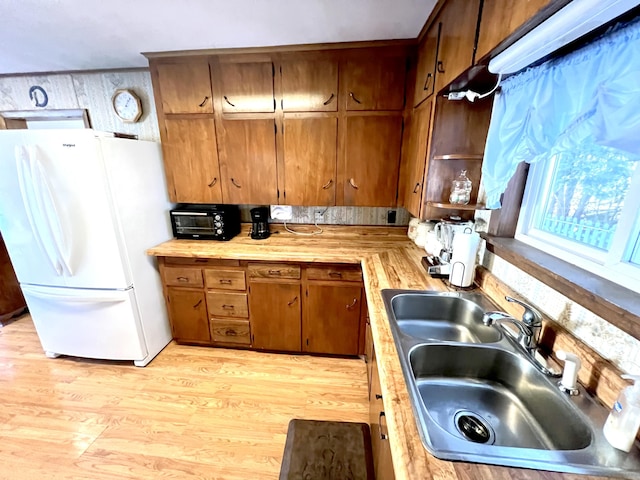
(202,260)
(213,182)
(378,396)
(328,184)
(235,184)
(383,436)
(354,97)
(275,272)
(415,190)
(183,279)
(227,100)
(228,307)
(293,301)
(335,274)
(329,100)
(353,184)
(204,102)
(353,304)
(197,304)
(230,333)
(225,282)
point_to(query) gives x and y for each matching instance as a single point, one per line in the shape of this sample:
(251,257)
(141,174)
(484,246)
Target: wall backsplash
(339,215)
(609,341)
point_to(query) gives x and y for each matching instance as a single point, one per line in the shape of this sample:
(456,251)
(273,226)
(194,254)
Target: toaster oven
(205,222)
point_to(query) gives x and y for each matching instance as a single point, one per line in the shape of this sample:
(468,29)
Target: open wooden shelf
(456,206)
(461,156)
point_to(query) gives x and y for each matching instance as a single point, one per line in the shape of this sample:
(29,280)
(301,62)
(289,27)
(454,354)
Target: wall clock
(126,105)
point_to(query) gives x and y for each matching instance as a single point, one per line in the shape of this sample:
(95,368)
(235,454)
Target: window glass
(586,195)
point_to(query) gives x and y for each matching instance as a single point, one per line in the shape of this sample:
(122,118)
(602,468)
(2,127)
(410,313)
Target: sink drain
(473,427)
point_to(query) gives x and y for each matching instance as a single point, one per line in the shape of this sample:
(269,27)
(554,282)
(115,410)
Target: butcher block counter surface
(389,260)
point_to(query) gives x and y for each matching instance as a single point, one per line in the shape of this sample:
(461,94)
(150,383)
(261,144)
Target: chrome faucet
(529,330)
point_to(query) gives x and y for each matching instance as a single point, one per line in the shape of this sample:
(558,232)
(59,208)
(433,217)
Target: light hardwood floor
(193,412)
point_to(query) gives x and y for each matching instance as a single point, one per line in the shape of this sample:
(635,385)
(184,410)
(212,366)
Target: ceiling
(59,35)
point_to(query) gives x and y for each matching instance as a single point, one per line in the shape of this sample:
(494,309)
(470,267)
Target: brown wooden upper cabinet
(247,151)
(459,19)
(246,87)
(374,84)
(500,18)
(191,160)
(185,87)
(310,160)
(372,160)
(309,85)
(426,71)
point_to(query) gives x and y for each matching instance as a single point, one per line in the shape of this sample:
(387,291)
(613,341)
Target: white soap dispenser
(623,422)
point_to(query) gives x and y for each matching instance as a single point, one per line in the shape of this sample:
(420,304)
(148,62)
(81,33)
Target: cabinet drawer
(230,331)
(227,304)
(223,262)
(350,274)
(225,279)
(273,270)
(185,277)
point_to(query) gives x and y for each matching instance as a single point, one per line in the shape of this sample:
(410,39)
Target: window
(582,206)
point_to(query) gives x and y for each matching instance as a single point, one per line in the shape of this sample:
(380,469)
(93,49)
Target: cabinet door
(414,158)
(185,87)
(372,160)
(426,72)
(500,18)
(191,160)
(248,161)
(382,462)
(310,161)
(457,39)
(309,86)
(188,315)
(274,310)
(375,84)
(247,87)
(332,322)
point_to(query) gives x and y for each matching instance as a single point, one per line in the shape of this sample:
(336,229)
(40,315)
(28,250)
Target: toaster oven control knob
(216,217)
(219,231)
(217,224)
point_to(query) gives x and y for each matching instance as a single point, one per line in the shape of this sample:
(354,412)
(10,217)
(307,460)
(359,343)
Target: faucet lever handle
(531,316)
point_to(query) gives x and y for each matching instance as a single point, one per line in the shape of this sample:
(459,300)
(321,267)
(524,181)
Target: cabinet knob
(427,81)
(227,100)
(353,184)
(354,98)
(415,190)
(328,184)
(204,102)
(292,301)
(440,66)
(235,184)
(225,282)
(228,307)
(197,304)
(230,333)
(353,304)
(213,182)
(383,436)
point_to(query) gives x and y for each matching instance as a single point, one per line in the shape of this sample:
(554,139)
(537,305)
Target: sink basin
(443,318)
(477,398)
(495,397)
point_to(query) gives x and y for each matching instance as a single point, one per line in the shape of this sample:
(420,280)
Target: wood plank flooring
(193,412)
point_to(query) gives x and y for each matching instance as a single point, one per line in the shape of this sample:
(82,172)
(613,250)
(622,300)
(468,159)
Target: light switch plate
(281,212)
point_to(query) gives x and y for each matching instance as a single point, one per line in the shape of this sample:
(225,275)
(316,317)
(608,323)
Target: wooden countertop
(389,260)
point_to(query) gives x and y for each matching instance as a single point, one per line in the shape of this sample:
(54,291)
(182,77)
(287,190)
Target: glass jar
(460,189)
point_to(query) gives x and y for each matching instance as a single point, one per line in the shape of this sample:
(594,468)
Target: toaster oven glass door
(193,224)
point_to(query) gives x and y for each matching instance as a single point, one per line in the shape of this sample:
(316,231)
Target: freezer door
(55,211)
(100,324)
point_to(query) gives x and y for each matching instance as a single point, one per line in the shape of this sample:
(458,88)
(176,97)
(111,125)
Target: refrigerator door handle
(56,226)
(91,297)
(25,182)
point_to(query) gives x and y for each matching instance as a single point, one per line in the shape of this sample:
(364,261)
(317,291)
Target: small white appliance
(78,209)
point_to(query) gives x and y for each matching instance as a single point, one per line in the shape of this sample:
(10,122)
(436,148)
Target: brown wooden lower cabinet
(275,315)
(382,462)
(188,314)
(332,320)
(289,307)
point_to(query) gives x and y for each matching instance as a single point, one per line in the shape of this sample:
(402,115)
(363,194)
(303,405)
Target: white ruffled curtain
(587,99)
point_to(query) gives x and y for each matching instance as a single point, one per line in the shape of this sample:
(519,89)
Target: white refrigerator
(78,209)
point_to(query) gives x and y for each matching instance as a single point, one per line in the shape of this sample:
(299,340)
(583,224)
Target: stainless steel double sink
(477,398)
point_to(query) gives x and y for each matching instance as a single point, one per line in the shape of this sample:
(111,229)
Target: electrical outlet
(281,212)
(391,216)
(319,215)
